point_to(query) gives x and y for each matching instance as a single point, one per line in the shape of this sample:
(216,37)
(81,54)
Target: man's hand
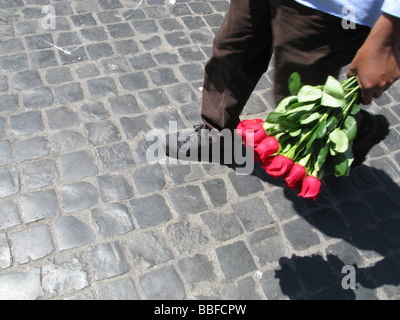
(377,63)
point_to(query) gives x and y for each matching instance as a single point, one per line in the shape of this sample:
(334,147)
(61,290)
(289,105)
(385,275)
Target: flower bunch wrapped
(309,134)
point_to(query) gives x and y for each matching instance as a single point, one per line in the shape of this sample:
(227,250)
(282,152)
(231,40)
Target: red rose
(252,130)
(279,166)
(311,188)
(266,148)
(296,175)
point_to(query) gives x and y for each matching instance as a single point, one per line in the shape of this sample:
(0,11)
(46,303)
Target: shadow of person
(359,216)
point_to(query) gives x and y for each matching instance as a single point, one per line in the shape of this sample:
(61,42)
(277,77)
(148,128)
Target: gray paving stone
(217,191)
(77,165)
(43,58)
(300,234)
(134,125)
(79,196)
(192,71)
(145,26)
(162,284)
(26,123)
(187,200)
(149,249)
(183,173)
(14,63)
(118,290)
(9,216)
(87,71)
(39,205)
(31,148)
(112,220)
(72,232)
(5,254)
(222,226)
(267,245)
(108,260)
(151,43)
(74,54)
(63,278)
(193,22)
(21,285)
(114,187)
(150,211)
(235,260)
(3,128)
(382,205)
(101,87)
(39,173)
(94,34)
(83,20)
(67,141)
(3,84)
(153,98)
(94,112)
(110,4)
(197,269)
(253,214)
(177,39)
(5,153)
(58,75)
(38,42)
(99,50)
(37,98)
(115,157)
(124,104)
(170,24)
(181,93)
(102,132)
(115,65)
(9,182)
(31,244)
(126,47)
(187,238)
(163,119)
(120,30)
(283,207)
(69,93)
(243,289)
(156,12)
(142,61)
(8,103)
(245,185)
(109,16)
(190,54)
(149,179)
(26,80)
(385,272)
(133,81)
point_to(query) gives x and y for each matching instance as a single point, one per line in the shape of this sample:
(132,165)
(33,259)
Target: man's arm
(377,63)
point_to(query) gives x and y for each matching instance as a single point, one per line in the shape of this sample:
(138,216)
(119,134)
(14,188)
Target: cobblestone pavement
(83,215)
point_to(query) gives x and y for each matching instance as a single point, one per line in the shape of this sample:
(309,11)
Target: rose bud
(311,188)
(295,176)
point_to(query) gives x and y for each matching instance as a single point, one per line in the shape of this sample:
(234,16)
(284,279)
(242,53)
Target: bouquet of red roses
(310,133)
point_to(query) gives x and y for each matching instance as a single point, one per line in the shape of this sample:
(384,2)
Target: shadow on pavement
(364,211)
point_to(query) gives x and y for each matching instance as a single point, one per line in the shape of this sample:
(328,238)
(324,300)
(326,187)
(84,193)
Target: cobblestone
(85,216)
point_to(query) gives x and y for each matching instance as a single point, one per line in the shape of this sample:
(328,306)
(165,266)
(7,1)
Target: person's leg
(242,50)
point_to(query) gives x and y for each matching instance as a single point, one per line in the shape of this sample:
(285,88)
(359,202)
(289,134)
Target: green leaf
(333,94)
(341,165)
(355,109)
(322,130)
(309,94)
(331,123)
(307,119)
(275,117)
(285,103)
(332,102)
(323,154)
(350,128)
(310,143)
(301,108)
(295,133)
(339,140)
(334,88)
(295,83)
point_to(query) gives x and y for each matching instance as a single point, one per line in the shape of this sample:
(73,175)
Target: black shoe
(190,144)
(372,130)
